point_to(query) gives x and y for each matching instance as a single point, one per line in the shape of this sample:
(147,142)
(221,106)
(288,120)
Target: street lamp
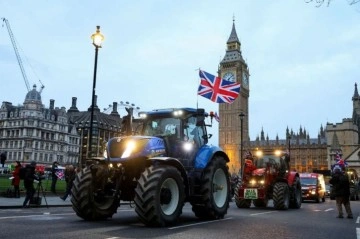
(97,39)
(241,115)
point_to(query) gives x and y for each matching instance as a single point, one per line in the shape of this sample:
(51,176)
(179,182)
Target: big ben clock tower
(234,68)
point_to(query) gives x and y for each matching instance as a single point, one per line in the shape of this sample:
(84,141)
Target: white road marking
(358,233)
(357,219)
(39,215)
(330,209)
(260,213)
(199,223)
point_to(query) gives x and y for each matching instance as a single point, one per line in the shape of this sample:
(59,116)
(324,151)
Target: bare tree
(319,3)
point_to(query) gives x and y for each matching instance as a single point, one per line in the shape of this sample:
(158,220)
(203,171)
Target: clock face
(229,76)
(245,80)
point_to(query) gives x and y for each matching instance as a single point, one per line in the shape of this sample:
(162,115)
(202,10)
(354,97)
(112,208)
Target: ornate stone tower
(234,68)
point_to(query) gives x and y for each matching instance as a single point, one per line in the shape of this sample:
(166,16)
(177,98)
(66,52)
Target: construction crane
(18,56)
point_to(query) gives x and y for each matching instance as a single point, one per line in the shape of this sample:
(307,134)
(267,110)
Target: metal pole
(241,115)
(242,146)
(92,104)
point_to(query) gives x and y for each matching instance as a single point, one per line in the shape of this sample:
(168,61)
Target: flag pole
(197,95)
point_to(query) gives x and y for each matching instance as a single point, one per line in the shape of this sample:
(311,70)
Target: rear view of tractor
(162,162)
(265,177)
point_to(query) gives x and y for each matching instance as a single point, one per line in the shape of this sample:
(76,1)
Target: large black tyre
(159,195)
(295,201)
(214,190)
(86,203)
(241,203)
(281,196)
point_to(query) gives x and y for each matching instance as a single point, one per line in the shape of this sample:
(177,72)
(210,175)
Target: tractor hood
(258,172)
(120,149)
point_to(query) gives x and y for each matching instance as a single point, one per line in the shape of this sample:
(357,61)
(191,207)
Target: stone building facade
(105,126)
(344,137)
(307,154)
(33,132)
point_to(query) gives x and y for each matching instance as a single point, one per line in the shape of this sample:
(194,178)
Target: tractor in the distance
(163,161)
(265,177)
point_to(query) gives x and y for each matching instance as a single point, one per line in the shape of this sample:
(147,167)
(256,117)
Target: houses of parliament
(307,153)
(32,131)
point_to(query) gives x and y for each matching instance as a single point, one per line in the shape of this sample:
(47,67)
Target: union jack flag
(216,89)
(60,174)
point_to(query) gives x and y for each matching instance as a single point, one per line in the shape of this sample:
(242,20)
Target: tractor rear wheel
(281,196)
(159,195)
(214,190)
(296,199)
(87,200)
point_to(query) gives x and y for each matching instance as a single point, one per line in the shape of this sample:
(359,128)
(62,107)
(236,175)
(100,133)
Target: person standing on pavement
(341,190)
(70,174)
(29,183)
(54,177)
(16,180)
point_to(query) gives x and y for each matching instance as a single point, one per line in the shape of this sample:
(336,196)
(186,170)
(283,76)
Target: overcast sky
(303,60)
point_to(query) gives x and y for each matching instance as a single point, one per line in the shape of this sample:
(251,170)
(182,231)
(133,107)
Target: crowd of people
(31,176)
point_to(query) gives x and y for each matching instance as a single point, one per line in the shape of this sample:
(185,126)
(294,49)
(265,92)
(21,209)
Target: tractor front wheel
(159,195)
(89,200)
(214,190)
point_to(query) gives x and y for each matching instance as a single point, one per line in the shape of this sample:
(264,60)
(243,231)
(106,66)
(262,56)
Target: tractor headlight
(178,112)
(262,182)
(252,181)
(188,146)
(130,146)
(142,115)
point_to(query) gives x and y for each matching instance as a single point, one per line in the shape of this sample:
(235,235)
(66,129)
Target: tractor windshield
(185,129)
(266,160)
(162,127)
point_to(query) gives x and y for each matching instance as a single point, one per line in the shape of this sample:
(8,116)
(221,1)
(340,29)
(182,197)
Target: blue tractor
(163,161)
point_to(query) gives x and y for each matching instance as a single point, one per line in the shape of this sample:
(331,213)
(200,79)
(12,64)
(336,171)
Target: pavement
(51,200)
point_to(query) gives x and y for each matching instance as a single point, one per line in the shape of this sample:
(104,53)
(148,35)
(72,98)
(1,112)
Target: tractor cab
(182,130)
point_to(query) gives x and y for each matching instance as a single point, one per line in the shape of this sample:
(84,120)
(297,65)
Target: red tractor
(265,177)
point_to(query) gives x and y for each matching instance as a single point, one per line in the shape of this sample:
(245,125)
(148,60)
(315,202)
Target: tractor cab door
(195,132)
